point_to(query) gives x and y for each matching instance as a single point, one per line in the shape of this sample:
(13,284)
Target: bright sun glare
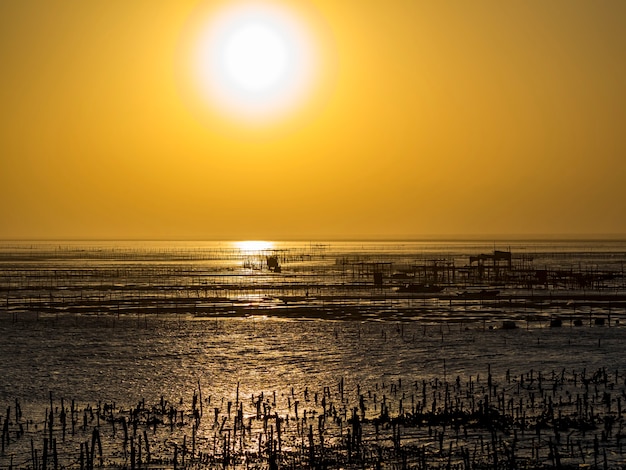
(255,57)
(254,60)
(254,245)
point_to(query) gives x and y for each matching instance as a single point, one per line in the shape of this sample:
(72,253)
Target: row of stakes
(562,419)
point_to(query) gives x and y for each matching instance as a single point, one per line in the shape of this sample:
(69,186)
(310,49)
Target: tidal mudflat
(105,362)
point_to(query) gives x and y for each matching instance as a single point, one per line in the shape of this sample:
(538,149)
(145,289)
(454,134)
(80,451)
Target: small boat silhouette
(481,294)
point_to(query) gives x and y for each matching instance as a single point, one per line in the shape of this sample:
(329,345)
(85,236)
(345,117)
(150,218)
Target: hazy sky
(423,118)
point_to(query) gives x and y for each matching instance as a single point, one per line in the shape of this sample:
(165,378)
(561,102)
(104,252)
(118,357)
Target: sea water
(127,323)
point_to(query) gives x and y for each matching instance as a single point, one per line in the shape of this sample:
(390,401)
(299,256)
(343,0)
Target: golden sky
(423,118)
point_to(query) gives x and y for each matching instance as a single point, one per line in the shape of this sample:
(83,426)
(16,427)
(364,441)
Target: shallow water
(135,360)
(99,325)
(129,359)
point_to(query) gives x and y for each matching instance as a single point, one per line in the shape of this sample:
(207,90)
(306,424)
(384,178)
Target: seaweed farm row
(556,419)
(378,281)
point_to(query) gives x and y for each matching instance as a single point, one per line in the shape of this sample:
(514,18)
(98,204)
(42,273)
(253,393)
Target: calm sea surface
(128,323)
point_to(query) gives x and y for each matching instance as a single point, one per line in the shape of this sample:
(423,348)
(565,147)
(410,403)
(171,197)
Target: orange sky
(427,118)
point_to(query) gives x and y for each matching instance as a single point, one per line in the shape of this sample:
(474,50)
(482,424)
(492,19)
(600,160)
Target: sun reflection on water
(250,246)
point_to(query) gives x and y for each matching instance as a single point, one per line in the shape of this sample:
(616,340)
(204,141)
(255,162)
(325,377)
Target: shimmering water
(127,360)
(130,323)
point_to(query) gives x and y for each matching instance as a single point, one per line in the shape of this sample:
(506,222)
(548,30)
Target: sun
(254,60)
